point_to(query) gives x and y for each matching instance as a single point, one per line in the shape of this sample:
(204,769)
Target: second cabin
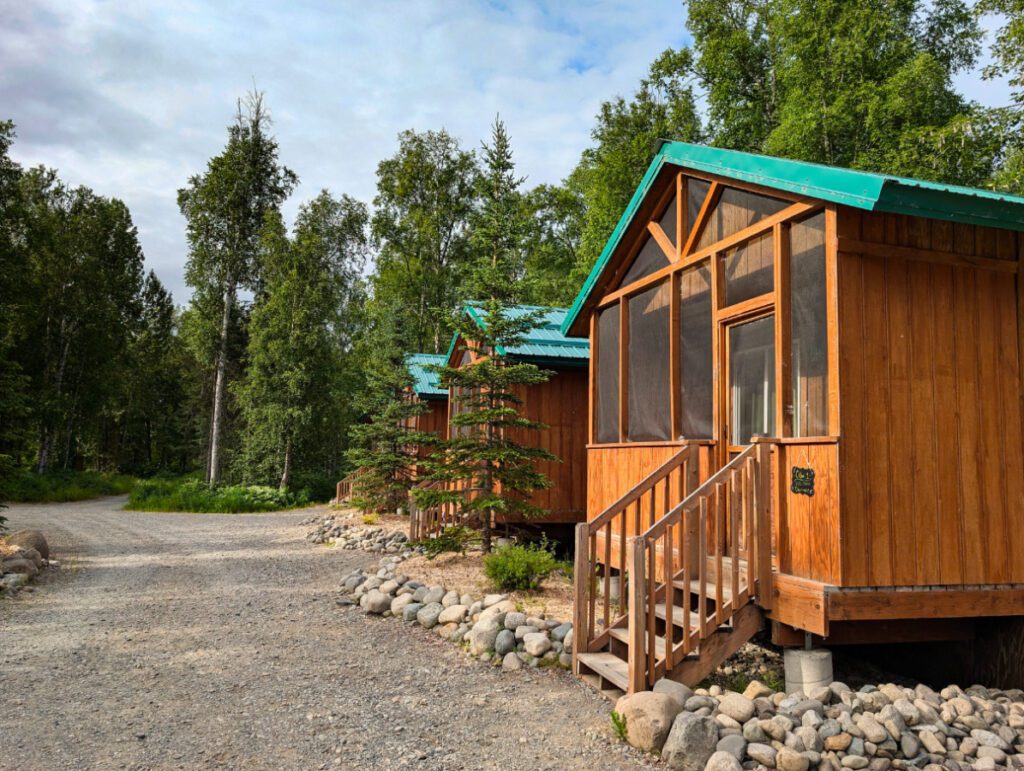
(805,409)
(560,404)
(426,388)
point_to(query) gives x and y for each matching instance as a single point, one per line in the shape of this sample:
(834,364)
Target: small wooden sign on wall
(803,481)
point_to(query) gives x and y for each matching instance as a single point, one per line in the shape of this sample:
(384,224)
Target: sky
(132,98)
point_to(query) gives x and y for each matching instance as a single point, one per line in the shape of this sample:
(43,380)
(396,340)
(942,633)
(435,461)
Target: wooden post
(783,333)
(763,517)
(582,586)
(637,617)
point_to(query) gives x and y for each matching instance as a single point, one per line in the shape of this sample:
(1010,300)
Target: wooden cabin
(426,388)
(805,410)
(560,404)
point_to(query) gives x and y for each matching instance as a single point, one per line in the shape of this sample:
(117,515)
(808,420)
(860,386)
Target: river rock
(738,707)
(504,642)
(691,742)
(452,614)
(376,602)
(648,717)
(428,614)
(482,636)
(762,753)
(536,644)
(723,761)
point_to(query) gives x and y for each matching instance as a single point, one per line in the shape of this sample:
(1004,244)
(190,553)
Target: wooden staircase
(693,564)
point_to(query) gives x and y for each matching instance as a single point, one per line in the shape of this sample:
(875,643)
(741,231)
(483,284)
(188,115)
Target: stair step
(613,694)
(661,611)
(607,665)
(622,634)
(709,590)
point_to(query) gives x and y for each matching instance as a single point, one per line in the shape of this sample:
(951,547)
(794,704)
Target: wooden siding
(931,459)
(435,419)
(561,404)
(612,469)
(806,528)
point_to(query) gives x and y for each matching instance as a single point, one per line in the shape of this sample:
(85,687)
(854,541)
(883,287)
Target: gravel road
(213,641)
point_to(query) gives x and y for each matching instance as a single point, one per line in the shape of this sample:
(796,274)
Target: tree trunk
(46,441)
(216,429)
(287,472)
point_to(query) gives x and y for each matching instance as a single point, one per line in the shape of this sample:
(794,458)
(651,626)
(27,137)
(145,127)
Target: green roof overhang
(858,189)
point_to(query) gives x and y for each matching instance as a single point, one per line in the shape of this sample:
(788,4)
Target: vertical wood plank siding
(931,456)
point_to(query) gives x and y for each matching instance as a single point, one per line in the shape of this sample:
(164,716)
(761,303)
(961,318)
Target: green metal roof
(545,343)
(425,380)
(859,189)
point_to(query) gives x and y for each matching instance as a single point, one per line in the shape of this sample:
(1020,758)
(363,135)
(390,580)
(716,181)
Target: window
(749,270)
(649,259)
(809,326)
(695,337)
(649,413)
(607,385)
(668,220)
(735,210)
(751,380)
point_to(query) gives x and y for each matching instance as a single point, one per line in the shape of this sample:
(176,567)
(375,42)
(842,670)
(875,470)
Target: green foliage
(292,393)
(625,138)
(425,198)
(619,725)
(554,228)
(485,470)
(226,209)
(519,567)
(195,496)
(385,446)
(455,540)
(57,486)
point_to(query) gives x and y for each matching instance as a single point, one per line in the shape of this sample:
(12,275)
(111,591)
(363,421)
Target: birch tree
(225,208)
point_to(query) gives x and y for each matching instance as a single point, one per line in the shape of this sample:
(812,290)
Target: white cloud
(132,98)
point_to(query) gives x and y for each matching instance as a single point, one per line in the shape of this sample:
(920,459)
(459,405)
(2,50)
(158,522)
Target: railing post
(763,516)
(637,616)
(583,585)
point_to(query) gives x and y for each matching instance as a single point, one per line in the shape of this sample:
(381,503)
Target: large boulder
(691,742)
(30,539)
(648,717)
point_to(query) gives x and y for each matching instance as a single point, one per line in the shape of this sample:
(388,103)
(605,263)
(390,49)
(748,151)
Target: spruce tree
(385,447)
(485,469)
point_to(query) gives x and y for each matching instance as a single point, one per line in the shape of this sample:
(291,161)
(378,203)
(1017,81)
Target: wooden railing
(714,546)
(603,541)
(343,492)
(430,521)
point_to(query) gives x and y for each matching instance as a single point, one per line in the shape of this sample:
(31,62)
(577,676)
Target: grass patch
(194,496)
(619,725)
(60,486)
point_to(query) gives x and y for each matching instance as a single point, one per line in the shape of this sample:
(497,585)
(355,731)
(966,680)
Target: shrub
(371,519)
(195,496)
(59,486)
(519,567)
(451,539)
(619,725)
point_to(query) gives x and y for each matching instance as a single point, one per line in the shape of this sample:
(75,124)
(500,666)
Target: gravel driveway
(213,641)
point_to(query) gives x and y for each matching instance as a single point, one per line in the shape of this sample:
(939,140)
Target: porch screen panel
(607,376)
(735,210)
(649,259)
(696,192)
(649,413)
(749,270)
(668,220)
(695,332)
(809,327)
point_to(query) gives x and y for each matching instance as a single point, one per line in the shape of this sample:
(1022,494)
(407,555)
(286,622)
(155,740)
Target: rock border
(491,628)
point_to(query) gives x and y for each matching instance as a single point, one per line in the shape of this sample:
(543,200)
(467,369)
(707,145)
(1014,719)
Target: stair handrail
(684,464)
(741,488)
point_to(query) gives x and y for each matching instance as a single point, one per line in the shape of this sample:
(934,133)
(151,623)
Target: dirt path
(213,641)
